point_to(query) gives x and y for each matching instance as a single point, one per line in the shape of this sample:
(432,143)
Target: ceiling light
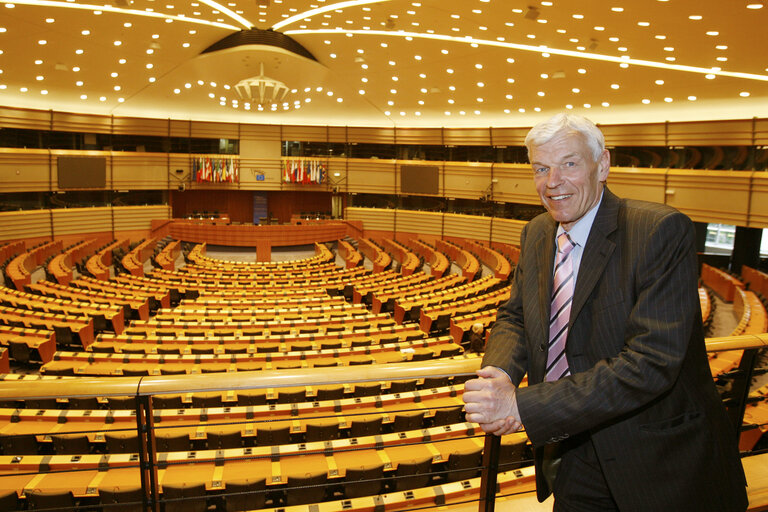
(754,6)
(694,17)
(643,24)
(605,104)
(744,94)
(576,90)
(646,101)
(614,86)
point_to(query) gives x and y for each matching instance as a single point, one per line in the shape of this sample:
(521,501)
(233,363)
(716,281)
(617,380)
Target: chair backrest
(365,426)
(245,494)
(122,442)
(70,444)
(304,488)
(464,464)
(9,500)
(408,421)
(291,395)
(268,434)
(366,480)
(329,392)
(224,436)
(121,499)
(18,445)
(41,498)
(194,497)
(447,416)
(167,402)
(368,389)
(322,430)
(402,386)
(206,399)
(413,474)
(168,441)
(251,397)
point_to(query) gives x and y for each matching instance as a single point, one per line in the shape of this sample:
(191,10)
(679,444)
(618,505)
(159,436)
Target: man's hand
(491,402)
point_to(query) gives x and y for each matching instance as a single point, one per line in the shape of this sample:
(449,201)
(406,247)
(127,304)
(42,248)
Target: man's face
(567,179)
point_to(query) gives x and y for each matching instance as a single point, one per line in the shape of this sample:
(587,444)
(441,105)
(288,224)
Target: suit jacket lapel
(597,252)
(545,249)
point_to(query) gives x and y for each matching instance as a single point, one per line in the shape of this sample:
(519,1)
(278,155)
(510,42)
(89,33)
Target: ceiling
(396,62)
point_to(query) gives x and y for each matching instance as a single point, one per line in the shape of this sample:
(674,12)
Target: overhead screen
(82,171)
(420,179)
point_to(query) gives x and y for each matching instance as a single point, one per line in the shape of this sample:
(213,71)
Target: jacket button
(542,347)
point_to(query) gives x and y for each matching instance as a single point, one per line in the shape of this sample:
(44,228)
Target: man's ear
(604,165)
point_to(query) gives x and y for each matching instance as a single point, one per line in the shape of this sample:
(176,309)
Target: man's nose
(554,178)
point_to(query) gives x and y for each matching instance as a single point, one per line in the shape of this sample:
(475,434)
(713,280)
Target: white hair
(562,124)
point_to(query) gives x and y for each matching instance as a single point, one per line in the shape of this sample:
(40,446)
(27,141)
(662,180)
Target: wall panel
(24,170)
(713,196)
(419,135)
(85,123)
(362,134)
(259,132)
(127,218)
(55,153)
(377,219)
(467,136)
(25,224)
(252,168)
(426,223)
(372,176)
(515,184)
(761,132)
(467,226)
(140,171)
(508,136)
(71,221)
(758,201)
(337,134)
(140,126)
(507,231)
(705,133)
(305,133)
(470,180)
(647,134)
(25,119)
(179,128)
(211,130)
(645,184)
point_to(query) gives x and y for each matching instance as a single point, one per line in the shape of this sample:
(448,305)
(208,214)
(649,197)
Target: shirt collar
(580,231)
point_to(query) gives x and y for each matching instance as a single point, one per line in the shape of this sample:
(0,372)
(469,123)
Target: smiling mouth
(560,197)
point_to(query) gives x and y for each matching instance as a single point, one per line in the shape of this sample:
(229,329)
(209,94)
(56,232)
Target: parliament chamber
(249,250)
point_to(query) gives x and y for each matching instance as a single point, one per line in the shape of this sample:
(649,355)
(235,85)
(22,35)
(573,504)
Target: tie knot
(564,243)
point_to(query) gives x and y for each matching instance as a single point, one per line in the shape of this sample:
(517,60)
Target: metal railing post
(488,475)
(739,394)
(147,453)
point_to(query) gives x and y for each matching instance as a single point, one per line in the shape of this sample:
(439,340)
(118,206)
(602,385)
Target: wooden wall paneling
(515,184)
(431,136)
(338,165)
(707,133)
(468,180)
(758,214)
(25,119)
(252,168)
(305,133)
(467,136)
(70,221)
(283,205)
(645,184)
(760,132)
(131,218)
(507,231)
(427,223)
(377,219)
(81,123)
(644,134)
(371,135)
(710,196)
(509,136)
(25,224)
(473,227)
(179,128)
(179,162)
(259,132)
(140,126)
(214,130)
(337,134)
(368,175)
(139,171)
(24,170)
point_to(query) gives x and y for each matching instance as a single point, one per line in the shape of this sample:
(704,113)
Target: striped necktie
(560,311)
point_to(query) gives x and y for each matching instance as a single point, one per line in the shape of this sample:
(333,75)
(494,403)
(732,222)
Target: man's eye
(570,164)
(540,170)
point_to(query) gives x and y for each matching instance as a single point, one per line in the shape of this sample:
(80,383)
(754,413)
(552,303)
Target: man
(620,405)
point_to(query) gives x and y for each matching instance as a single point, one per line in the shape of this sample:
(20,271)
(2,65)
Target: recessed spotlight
(478,66)
(744,94)
(42,42)
(49,20)
(541,93)
(754,6)
(659,82)
(709,76)
(695,17)
(576,90)
(691,98)
(646,101)
(605,104)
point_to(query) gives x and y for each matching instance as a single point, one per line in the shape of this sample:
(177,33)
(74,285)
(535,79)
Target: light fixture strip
(540,49)
(109,8)
(320,10)
(229,12)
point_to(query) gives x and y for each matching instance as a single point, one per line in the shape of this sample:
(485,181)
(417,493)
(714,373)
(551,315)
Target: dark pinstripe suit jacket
(640,384)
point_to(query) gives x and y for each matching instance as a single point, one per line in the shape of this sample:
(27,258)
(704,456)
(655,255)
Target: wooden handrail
(122,386)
